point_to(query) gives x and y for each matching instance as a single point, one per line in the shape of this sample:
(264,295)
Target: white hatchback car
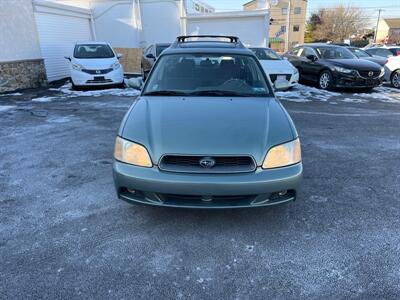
(276,67)
(95,64)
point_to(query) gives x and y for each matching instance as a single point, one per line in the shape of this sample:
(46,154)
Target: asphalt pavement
(64,234)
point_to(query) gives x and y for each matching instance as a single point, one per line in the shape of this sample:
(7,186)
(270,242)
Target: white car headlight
(283,155)
(296,71)
(115,66)
(77,67)
(131,153)
(343,70)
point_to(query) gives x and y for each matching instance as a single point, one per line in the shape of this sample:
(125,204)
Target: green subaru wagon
(207,132)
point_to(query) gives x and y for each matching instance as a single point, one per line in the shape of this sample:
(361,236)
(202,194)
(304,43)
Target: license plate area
(281,77)
(99,78)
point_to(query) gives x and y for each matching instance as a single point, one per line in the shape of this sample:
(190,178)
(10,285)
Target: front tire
(395,79)
(325,80)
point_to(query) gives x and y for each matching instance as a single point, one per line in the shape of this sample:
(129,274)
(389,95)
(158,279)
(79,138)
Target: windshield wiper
(165,93)
(223,93)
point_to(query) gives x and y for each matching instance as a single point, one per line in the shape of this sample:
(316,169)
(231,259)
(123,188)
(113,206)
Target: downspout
(92,26)
(183,17)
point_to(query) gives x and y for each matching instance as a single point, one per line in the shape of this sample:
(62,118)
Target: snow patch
(13,94)
(44,99)
(127,92)
(4,108)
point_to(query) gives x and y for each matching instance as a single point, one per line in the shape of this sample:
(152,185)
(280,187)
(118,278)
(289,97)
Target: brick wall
(131,59)
(22,74)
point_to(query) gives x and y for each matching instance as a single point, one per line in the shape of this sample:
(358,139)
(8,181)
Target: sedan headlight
(115,66)
(131,153)
(283,155)
(343,70)
(382,72)
(77,67)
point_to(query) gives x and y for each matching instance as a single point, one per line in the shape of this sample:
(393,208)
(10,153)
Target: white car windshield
(265,54)
(93,51)
(207,75)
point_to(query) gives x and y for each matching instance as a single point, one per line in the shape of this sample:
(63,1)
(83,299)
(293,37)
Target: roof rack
(183,38)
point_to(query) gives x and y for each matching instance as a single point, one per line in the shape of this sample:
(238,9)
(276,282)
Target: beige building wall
(279,13)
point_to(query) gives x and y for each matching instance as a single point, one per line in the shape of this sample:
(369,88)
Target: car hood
(358,64)
(95,63)
(277,66)
(376,59)
(207,126)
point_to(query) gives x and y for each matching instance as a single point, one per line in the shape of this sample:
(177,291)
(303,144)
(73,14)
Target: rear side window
(395,51)
(93,51)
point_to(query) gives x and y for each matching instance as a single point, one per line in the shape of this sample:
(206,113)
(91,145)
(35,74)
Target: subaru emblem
(370,73)
(207,162)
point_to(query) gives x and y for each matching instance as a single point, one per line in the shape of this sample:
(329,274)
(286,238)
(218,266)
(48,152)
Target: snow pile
(302,93)
(4,108)
(13,94)
(67,89)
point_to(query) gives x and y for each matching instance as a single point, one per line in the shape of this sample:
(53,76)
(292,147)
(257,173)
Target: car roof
(319,45)
(205,45)
(92,43)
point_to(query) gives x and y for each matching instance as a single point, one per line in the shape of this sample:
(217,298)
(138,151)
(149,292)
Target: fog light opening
(282,193)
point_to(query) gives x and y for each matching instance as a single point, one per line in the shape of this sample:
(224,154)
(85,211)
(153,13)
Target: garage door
(58,35)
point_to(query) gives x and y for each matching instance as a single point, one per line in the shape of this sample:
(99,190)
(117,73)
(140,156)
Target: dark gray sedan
(208,132)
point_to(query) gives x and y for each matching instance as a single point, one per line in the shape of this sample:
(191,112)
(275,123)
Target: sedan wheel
(395,80)
(325,80)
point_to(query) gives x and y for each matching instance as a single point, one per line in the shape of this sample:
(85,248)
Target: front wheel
(395,79)
(325,81)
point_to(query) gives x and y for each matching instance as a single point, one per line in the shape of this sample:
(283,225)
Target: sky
(391,8)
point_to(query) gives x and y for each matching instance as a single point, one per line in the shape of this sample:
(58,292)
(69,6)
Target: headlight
(77,67)
(283,155)
(131,153)
(296,71)
(382,71)
(115,65)
(343,70)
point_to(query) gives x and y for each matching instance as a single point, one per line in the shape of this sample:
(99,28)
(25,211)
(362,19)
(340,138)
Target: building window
(197,7)
(284,11)
(296,28)
(202,9)
(297,10)
(283,28)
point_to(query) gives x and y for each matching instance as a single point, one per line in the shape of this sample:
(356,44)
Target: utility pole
(377,23)
(287,27)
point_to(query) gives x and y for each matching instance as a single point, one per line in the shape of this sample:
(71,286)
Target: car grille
(97,72)
(223,164)
(273,77)
(365,74)
(175,198)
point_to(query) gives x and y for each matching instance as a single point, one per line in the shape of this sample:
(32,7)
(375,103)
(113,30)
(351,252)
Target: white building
(50,28)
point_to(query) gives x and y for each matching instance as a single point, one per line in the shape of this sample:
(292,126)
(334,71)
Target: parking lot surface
(63,233)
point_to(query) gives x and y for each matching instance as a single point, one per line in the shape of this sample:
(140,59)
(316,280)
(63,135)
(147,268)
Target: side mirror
(281,85)
(136,83)
(311,57)
(150,55)
(119,55)
(67,57)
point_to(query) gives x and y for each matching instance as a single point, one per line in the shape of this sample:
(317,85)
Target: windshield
(207,75)
(334,53)
(93,51)
(265,54)
(359,52)
(161,48)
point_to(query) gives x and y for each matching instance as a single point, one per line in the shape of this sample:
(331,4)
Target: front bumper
(114,77)
(154,187)
(356,81)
